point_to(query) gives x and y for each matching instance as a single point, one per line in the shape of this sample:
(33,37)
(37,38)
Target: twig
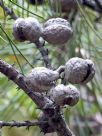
(20,124)
(39,45)
(55,119)
(44,53)
(19,79)
(8,11)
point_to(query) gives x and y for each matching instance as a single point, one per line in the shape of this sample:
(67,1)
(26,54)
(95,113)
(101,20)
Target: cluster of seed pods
(56,31)
(76,71)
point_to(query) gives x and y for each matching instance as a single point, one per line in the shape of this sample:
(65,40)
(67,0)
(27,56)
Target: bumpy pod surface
(57,31)
(66,5)
(57,20)
(27,29)
(32,29)
(18,29)
(66,95)
(79,71)
(41,79)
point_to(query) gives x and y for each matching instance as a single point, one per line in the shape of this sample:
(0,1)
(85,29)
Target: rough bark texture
(51,112)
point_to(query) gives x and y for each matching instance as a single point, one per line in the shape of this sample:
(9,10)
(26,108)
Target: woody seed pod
(79,71)
(57,20)
(57,31)
(41,79)
(32,29)
(65,5)
(18,29)
(65,95)
(27,29)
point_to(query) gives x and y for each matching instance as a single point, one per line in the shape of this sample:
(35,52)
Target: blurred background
(85,119)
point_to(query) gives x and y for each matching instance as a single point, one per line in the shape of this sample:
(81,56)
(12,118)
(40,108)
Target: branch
(44,54)
(19,79)
(55,124)
(39,45)
(61,127)
(54,117)
(20,124)
(8,11)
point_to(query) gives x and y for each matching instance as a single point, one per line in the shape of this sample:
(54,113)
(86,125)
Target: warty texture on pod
(41,79)
(65,95)
(18,29)
(57,31)
(64,5)
(57,20)
(27,29)
(79,71)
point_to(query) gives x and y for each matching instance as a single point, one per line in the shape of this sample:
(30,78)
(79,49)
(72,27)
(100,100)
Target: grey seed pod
(57,20)
(18,29)
(41,79)
(79,71)
(65,95)
(57,33)
(32,29)
(66,5)
(27,29)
